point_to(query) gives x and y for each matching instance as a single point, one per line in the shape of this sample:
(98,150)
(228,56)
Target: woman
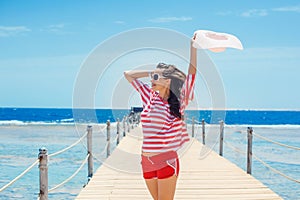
(164,130)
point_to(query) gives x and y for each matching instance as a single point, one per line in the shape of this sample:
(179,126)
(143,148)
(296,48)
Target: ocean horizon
(64,116)
(24,130)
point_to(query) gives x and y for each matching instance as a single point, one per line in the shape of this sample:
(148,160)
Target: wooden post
(203,131)
(108,138)
(138,118)
(132,120)
(221,137)
(43,166)
(128,125)
(118,131)
(124,127)
(89,151)
(193,127)
(249,151)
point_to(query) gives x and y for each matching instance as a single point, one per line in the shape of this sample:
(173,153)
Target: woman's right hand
(193,57)
(193,39)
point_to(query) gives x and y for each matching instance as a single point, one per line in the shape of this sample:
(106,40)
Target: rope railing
(104,149)
(275,170)
(249,153)
(69,147)
(19,176)
(101,131)
(90,156)
(274,142)
(102,153)
(195,121)
(189,119)
(72,176)
(43,157)
(234,148)
(115,139)
(262,162)
(37,161)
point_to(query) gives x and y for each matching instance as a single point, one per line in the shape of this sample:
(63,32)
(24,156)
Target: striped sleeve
(187,91)
(143,89)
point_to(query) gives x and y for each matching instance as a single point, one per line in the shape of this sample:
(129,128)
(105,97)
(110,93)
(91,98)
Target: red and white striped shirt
(161,130)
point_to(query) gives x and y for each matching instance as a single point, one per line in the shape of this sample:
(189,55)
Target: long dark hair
(177,79)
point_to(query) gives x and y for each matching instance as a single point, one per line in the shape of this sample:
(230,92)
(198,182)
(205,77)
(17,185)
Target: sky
(44,45)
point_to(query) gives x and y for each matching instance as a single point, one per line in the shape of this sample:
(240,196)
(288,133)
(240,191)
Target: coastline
(63,116)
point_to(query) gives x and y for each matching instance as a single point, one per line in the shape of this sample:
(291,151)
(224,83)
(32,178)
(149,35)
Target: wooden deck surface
(208,177)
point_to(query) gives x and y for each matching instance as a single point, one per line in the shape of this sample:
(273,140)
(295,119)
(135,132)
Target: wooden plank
(208,177)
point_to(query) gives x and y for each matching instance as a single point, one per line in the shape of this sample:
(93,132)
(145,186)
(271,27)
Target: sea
(23,131)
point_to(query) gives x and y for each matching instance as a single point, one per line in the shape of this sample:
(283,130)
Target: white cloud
(255,13)
(262,12)
(6,31)
(56,26)
(169,19)
(119,22)
(287,9)
(58,29)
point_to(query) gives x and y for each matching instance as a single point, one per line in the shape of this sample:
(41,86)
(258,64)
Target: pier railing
(124,126)
(43,157)
(250,134)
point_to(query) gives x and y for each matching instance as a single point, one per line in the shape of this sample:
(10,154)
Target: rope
(112,129)
(102,153)
(115,140)
(104,150)
(69,147)
(54,154)
(234,148)
(101,130)
(264,163)
(191,120)
(275,170)
(278,143)
(258,159)
(197,122)
(72,176)
(20,176)
(101,161)
(104,130)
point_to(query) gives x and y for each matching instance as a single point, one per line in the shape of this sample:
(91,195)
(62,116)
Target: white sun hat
(216,42)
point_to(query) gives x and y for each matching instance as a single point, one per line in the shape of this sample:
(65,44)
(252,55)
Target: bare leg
(152,187)
(166,188)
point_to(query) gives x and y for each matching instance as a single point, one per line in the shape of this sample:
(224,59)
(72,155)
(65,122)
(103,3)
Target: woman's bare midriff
(150,153)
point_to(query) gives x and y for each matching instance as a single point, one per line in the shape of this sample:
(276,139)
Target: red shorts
(160,166)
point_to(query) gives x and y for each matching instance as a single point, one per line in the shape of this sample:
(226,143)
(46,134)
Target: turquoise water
(19,146)
(283,159)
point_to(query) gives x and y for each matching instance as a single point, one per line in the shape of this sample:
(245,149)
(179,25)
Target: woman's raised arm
(193,58)
(134,74)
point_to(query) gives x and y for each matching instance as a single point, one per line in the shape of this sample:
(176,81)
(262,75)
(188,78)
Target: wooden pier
(209,177)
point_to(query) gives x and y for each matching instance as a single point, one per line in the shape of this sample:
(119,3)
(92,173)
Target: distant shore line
(188,109)
(65,116)
(69,124)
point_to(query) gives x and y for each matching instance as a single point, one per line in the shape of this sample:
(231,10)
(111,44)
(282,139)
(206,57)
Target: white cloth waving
(216,42)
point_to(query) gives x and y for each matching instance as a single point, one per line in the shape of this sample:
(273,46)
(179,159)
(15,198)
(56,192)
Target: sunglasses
(156,76)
